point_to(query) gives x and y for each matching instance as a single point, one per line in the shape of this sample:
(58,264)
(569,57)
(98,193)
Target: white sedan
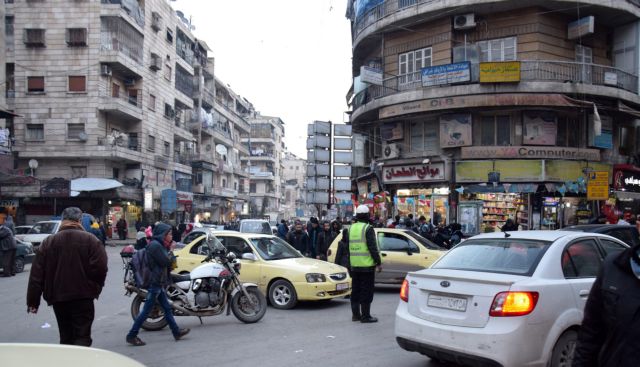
(503,300)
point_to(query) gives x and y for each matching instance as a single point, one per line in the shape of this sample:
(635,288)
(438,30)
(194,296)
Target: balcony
(227,193)
(119,149)
(207,98)
(127,107)
(262,175)
(134,12)
(184,158)
(231,115)
(121,47)
(570,74)
(261,155)
(182,121)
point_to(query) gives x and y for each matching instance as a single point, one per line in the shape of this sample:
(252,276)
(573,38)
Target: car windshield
(423,241)
(43,228)
(496,255)
(255,227)
(273,248)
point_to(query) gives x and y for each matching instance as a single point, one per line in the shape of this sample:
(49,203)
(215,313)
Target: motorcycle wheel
(242,308)
(155,321)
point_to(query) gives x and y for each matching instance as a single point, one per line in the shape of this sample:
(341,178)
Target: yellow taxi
(280,271)
(402,251)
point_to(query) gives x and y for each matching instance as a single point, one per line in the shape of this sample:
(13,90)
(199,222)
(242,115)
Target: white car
(259,226)
(40,231)
(513,299)
(22,229)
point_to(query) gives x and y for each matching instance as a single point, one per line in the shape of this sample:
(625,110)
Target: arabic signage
(529,152)
(446,74)
(413,173)
(184,197)
(370,75)
(55,188)
(510,171)
(455,130)
(561,171)
(626,177)
(581,27)
(500,72)
(481,100)
(539,128)
(392,131)
(598,185)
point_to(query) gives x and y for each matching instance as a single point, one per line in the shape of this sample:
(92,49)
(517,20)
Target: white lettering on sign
(632,181)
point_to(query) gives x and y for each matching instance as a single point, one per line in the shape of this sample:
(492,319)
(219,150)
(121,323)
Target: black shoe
(355,318)
(181,333)
(368,319)
(135,341)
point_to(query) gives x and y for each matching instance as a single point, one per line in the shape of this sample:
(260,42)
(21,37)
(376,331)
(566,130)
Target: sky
(289,58)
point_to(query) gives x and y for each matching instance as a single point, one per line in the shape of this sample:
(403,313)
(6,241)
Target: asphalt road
(312,334)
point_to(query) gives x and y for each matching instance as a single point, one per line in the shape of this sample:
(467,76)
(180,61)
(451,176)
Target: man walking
(69,271)
(7,248)
(121,227)
(159,259)
(299,239)
(325,238)
(364,258)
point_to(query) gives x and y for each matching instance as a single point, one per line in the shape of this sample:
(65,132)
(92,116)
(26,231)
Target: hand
(378,268)
(32,310)
(173,245)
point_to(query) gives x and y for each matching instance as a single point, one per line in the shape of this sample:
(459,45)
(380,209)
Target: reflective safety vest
(359,255)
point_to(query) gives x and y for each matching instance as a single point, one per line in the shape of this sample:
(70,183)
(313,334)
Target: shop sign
(169,202)
(413,173)
(482,100)
(529,152)
(626,178)
(446,74)
(500,72)
(562,171)
(598,185)
(184,197)
(148,199)
(455,130)
(581,27)
(370,75)
(9,203)
(510,171)
(55,188)
(539,128)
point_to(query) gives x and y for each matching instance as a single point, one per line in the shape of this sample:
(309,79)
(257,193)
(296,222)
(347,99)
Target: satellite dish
(33,164)
(221,149)
(208,147)
(83,136)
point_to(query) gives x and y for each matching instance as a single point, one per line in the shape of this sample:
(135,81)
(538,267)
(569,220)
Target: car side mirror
(249,256)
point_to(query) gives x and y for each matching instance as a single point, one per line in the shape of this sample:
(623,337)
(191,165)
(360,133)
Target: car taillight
(404,291)
(513,304)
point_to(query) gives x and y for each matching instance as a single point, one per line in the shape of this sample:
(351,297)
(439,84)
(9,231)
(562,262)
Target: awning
(93,184)
(628,110)
(7,114)
(627,195)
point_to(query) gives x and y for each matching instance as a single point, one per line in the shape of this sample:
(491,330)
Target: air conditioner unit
(156,24)
(105,70)
(464,21)
(129,82)
(156,62)
(390,151)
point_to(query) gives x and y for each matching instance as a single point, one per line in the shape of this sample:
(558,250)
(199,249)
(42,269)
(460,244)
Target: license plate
(342,286)
(446,302)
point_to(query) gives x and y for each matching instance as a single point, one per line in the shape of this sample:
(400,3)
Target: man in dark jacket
(159,258)
(283,229)
(364,258)
(313,231)
(69,272)
(299,239)
(342,252)
(609,335)
(7,250)
(325,238)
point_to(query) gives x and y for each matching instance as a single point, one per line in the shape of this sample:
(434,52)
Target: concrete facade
(295,177)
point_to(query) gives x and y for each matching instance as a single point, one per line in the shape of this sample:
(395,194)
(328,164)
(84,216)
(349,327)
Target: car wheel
(562,355)
(282,295)
(18,266)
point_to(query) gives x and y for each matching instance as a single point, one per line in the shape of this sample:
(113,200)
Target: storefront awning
(93,184)
(628,110)
(627,195)
(502,188)
(4,114)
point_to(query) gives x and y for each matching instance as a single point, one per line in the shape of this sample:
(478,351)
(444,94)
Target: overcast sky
(290,58)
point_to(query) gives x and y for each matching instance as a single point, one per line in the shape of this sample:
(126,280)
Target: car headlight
(316,278)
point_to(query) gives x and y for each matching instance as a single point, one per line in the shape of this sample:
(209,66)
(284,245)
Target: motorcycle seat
(176,278)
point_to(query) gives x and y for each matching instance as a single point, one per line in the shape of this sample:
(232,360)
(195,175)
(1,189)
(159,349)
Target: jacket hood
(159,231)
(86,222)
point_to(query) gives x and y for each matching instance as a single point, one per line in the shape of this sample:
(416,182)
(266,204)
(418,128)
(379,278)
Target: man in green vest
(364,258)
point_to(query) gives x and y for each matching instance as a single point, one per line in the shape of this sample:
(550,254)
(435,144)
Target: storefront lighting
(568,205)
(109,202)
(426,161)
(128,203)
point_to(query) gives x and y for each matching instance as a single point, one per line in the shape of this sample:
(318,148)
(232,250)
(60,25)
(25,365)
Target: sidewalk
(113,243)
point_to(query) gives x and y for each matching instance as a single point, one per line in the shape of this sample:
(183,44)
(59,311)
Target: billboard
(342,157)
(540,128)
(342,130)
(342,171)
(500,72)
(455,130)
(342,143)
(446,74)
(342,184)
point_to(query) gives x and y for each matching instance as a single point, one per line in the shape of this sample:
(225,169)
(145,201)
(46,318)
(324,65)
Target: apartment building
(266,144)
(295,187)
(119,90)
(510,103)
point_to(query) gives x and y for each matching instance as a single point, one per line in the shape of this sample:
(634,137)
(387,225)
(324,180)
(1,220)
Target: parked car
(22,229)
(401,250)
(53,355)
(255,226)
(495,293)
(40,231)
(24,255)
(625,233)
(280,271)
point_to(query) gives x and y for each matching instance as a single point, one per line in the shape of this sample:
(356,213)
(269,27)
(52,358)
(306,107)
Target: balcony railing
(382,10)
(530,71)
(184,158)
(132,144)
(133,99)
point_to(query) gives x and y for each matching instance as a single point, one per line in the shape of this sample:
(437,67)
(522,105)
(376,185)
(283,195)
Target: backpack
(141,269)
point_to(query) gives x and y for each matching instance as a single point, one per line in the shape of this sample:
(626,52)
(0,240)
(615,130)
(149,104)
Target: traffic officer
(364,258)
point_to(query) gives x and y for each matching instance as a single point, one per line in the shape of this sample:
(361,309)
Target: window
(502,49)
(169,36)
(396,243)
(252,188)
(35,84)
(567,132)
(133,141)
(34,37)
(411,63)
(495,130)
(625,140)
(237,245)
(624,235)
(167,148)
(152,102)
(76,37)
(584,54)
(35,132)
(424,136)
(168,111)
(74,131)
(611,247)
(115,173)
(115,90)
(581,260)
(78,171)
(8,26)
(77,83)
(151,143)
(167,72)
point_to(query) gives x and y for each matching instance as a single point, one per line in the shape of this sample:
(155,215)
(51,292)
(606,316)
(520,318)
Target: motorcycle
(207,291)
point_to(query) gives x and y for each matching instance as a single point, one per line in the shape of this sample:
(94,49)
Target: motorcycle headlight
(316,278)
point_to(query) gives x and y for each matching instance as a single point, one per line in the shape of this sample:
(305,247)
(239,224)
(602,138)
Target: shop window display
(433,204)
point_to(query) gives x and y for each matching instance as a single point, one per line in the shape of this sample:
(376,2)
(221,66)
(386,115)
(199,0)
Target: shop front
(176,205)
(626,188)
(371,194)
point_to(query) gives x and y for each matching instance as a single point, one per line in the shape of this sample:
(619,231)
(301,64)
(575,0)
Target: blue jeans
(154,293)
